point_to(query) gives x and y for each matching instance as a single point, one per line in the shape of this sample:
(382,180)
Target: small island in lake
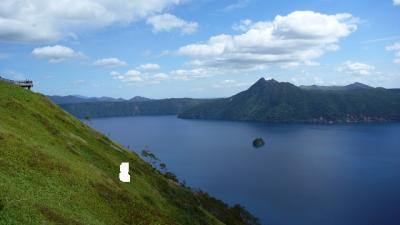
(258,142)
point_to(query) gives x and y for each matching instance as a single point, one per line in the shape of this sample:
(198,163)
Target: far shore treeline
(264,101)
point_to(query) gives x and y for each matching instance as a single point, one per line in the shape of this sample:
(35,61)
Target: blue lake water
(304,175)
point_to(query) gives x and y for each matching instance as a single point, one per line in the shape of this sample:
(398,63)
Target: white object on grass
(124,172)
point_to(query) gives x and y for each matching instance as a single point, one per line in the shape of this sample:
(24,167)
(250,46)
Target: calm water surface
(305,175)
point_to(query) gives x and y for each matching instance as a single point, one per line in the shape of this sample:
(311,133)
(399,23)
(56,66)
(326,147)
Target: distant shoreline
(249,121)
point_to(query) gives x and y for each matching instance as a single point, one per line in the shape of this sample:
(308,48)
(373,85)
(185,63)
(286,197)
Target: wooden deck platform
(22,83)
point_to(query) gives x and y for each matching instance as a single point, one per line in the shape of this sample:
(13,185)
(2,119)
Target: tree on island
(258,142)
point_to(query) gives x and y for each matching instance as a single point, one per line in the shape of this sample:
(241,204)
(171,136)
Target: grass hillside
(56,170)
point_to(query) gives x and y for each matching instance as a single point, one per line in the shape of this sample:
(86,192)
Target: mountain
(54,169)
(139,99)
(172,106)
(354,86)
(73,99)
(357,86)
(273,101)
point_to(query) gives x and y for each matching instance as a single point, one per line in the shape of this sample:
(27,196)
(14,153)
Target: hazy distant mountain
(139,99)
(353,86)
(70,99)
(273,101)
(266,101)
(172,106)
(74,99)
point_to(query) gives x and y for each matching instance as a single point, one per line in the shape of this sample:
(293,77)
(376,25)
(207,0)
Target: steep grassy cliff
(56,170)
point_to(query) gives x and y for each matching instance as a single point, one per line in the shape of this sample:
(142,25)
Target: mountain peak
(270,85)
(357,85)
(263,81)
(272,81)
(139,99)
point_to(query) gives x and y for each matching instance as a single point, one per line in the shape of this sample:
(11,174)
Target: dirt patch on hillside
(55,217)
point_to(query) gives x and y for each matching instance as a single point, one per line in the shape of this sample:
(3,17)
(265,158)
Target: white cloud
(396,48)
(237,5)
(160,76)
(356,68)
(129,76)
(109,62)
(148,66)
(294,65)
(133,76)
(148,76)
(243,25)
(186,74)
(56,53)
(168,22)
(40,20)
(299,37)
(396,2)
(230,84)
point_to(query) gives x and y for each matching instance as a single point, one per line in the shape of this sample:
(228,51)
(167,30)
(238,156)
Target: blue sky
(197,48)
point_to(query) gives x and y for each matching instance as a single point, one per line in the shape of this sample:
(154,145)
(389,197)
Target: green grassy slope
(56,170)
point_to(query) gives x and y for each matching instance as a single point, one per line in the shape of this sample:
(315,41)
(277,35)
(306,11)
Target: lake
(304,175)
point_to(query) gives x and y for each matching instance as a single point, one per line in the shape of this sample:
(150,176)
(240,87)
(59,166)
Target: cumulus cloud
(109,62)
(129,76)
(137,75)
(133,76)
(56,53)
(396,2)
(299,37)
(167,22)
(160,76)
(395,48)
(230,84)
(38,20)
(148,66)
(187,74)
(243,25)
(356,68)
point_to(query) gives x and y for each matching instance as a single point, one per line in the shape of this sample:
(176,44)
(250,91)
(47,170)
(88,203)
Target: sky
(197,48)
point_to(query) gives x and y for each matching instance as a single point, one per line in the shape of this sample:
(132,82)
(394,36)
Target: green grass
(54,169)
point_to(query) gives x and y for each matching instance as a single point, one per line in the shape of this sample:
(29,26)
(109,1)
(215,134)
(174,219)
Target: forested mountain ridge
(273,101)
(172,106)
(74,99)
(353,86)
(264,101)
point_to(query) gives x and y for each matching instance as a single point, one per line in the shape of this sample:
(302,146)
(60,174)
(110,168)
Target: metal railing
(21,83)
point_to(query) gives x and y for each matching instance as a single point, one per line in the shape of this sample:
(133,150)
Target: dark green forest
(273,101)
